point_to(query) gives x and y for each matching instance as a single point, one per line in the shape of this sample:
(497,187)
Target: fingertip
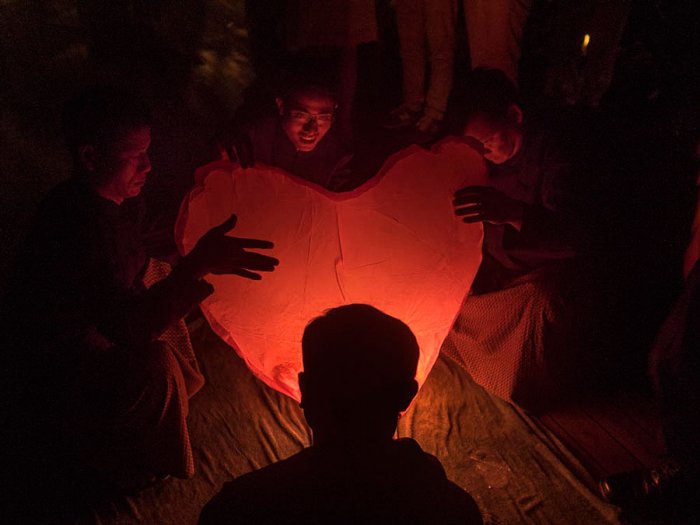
(231,221)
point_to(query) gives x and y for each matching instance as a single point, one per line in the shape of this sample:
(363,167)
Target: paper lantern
(393,243)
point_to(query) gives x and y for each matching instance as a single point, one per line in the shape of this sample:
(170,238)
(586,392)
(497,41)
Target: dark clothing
(674,369)
(390,483)
(79,275)
(539,176)
(326,165)
(85,331)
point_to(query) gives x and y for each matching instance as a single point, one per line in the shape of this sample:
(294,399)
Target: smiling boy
(299,139)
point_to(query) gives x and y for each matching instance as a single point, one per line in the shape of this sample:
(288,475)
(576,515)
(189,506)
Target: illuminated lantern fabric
(393,243)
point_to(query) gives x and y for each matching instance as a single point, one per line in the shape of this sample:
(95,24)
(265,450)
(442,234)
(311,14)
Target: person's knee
(157,363)
(540,291)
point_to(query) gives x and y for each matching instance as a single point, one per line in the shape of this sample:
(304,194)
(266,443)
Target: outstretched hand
(485,204)
(219,253)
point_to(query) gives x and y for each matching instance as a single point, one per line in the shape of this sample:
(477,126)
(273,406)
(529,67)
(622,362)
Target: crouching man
(299,139)
(518,330)
(108,375)
(359,369)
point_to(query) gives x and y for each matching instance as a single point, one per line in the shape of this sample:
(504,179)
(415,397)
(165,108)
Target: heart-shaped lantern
(393,243)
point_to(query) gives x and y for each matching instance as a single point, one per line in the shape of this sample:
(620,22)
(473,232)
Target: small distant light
(584,44)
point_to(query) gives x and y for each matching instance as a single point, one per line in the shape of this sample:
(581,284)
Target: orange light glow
(584,44)
(394,243)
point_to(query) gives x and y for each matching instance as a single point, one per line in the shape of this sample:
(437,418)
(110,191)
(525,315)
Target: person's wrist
(191,267)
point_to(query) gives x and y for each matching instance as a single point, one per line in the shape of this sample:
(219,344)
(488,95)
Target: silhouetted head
(359,373)
(492,114)
(307,112)
(108,133)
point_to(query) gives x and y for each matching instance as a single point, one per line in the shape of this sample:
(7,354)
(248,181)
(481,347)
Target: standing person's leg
(440,19)
(495,32)
(410,20)
(347,88)
(678,373)
(674,367)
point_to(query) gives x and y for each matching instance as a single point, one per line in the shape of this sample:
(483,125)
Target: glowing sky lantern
(394,243)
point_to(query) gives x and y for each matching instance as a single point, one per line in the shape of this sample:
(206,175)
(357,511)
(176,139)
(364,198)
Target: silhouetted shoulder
(442,501)
(256,497)
(395,484)
(460,506)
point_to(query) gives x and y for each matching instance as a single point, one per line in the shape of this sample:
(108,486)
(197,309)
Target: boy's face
(122,167)
(306,118)
(501,140)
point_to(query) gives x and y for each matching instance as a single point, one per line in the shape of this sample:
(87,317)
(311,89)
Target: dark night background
(197,62)
(194,60)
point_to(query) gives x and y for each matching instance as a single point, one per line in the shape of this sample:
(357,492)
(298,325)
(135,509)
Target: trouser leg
(410,19)
(347,89)
(495,31)
(440,19)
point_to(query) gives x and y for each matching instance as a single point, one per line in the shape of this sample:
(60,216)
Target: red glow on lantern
(394,243)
